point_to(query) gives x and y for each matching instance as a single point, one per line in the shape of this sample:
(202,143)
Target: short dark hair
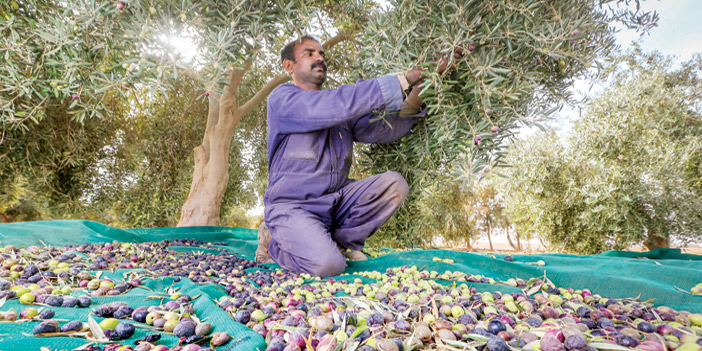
(288,52)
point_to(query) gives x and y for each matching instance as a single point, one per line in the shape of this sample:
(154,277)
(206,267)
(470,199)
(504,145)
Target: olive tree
(74,55)
(45,169)
(544,197)
(520,60)
(629,174)
(446,218)
(647,128)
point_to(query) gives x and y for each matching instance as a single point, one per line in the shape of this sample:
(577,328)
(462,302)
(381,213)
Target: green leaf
(477,337)
(608,346)
(47,36)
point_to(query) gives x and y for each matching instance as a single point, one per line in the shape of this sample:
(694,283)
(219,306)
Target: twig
(34,109)
(683,290)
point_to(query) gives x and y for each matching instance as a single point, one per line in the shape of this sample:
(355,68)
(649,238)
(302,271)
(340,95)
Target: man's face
(309,71)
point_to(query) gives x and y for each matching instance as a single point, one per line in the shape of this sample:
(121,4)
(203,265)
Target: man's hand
(447,61)
(414,76)
(412,104)
(443,63)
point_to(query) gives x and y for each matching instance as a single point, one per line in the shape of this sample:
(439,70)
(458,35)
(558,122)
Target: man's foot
(353,255)
(264,238)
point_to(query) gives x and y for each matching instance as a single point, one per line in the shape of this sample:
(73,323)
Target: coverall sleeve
(296,110)
(370,128)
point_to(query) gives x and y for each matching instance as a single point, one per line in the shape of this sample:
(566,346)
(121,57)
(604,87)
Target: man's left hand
(443,63)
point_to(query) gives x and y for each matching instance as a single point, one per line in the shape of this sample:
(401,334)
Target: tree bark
(211,167)
(519,244)
(654,241)
(511,244)
(489,239)
(210,177)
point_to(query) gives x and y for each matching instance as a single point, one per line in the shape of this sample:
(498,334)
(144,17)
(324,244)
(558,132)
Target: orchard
(151,114)
(78,62)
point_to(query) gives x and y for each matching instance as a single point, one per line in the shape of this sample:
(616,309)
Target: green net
(661,275)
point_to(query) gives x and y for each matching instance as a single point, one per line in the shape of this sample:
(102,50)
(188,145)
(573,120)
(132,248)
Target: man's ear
(288,65)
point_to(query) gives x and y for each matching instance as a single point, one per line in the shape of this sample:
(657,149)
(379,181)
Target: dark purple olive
(495,326)
(44,327)
(125,330)
(72,326)
(575,343)
(497,344)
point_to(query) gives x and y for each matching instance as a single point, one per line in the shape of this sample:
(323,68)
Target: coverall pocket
(303,146)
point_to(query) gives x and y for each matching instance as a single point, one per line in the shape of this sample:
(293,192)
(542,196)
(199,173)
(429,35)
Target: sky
(678,34)
(679,30)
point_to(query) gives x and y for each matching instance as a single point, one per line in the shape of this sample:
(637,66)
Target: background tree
(515,244)
(446,220)
(543,197)
(485,208)
(45,169)
(653,138)
(521,57)
(629,174)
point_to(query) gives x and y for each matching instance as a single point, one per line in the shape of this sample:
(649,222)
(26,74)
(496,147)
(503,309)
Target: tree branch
(213,110)
(263,93)
(343,35)
(190,73)
(236,75)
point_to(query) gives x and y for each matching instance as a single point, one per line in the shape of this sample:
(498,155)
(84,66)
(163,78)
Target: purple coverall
(311,205)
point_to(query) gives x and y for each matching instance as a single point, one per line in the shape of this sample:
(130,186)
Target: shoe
(264,238)
(353,255)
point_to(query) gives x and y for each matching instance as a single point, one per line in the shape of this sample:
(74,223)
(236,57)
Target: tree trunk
(519,244)
(210,178)
(211,168)
(654,241)
(509,240)
(489,239)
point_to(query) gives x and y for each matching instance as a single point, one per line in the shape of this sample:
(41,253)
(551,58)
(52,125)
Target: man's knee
(397,188)
(328,265)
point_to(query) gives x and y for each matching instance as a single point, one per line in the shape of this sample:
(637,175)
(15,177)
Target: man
(316,214)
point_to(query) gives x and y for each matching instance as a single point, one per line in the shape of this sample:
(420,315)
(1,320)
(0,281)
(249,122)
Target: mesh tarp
(650,275)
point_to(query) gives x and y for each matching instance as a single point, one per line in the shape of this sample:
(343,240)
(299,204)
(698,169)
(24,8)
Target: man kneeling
(315,216)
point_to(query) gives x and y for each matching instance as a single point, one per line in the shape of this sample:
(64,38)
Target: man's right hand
(412,104)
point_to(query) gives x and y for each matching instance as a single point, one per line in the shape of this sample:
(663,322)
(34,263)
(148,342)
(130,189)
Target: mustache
(318,64)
